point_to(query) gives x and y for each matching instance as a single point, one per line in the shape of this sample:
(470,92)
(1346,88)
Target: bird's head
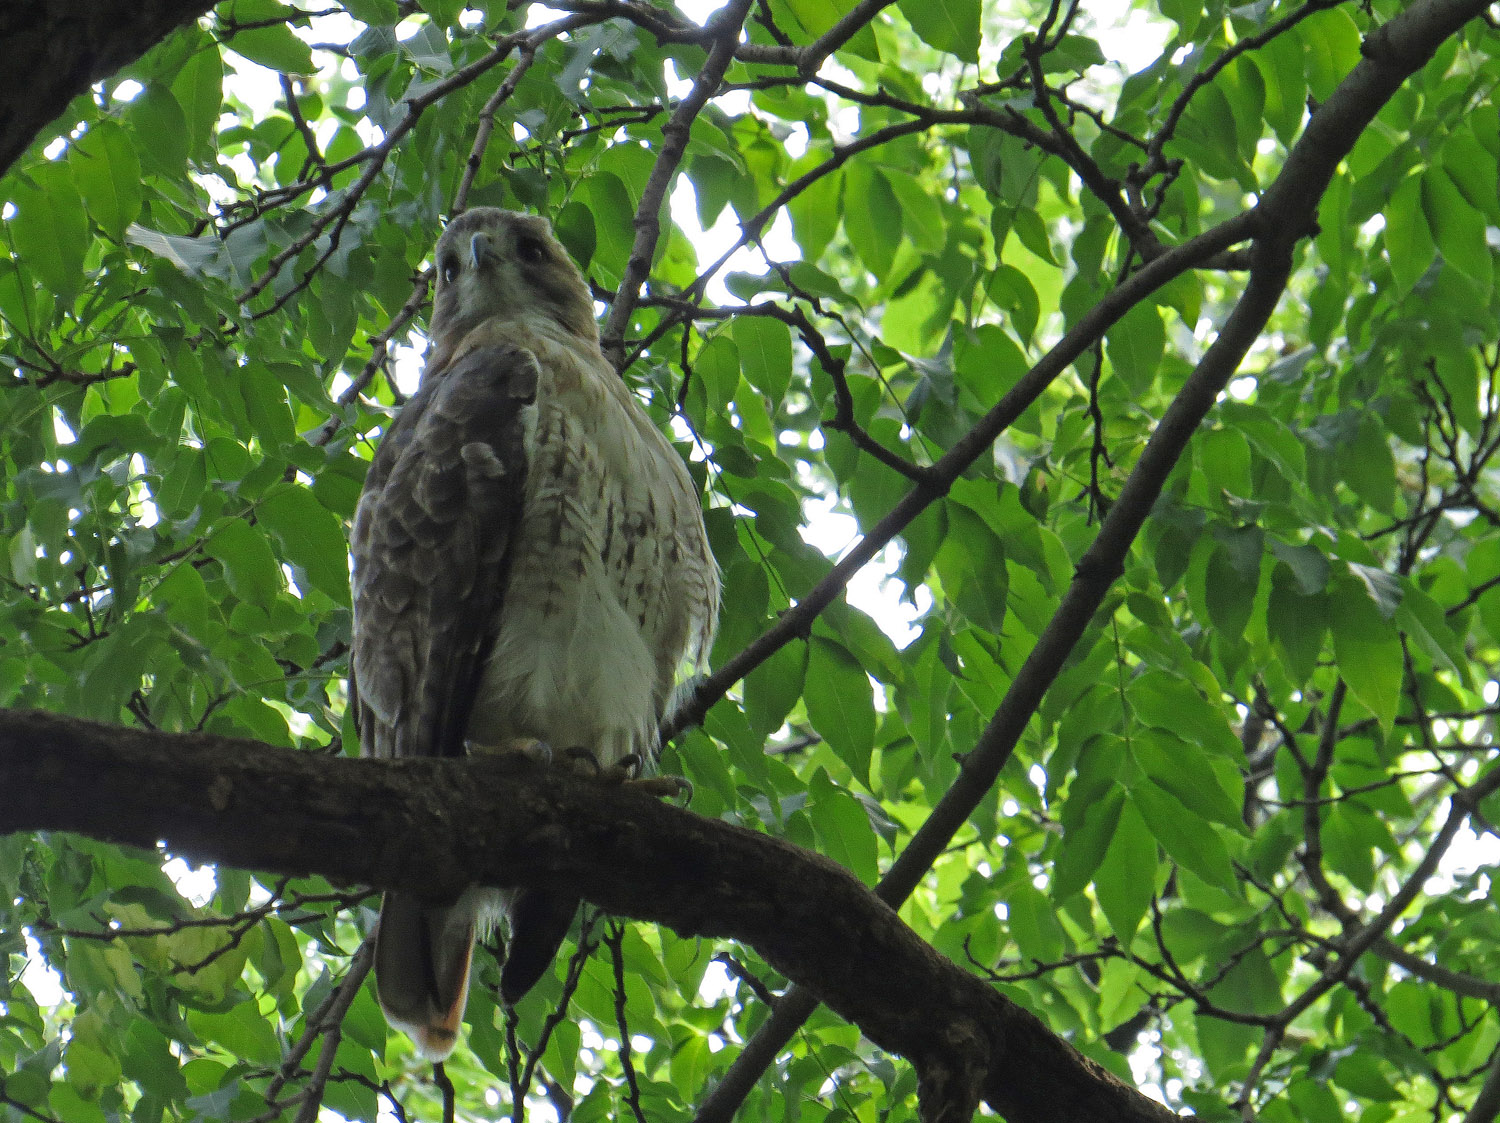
(492,262)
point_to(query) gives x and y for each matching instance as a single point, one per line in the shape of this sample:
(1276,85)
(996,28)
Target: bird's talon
(523,753)
(663,787)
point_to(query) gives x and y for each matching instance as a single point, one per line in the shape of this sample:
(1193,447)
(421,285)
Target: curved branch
(1286,214)
(430,827)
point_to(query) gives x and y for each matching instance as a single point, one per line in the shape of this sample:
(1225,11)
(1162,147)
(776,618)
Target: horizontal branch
(431,827)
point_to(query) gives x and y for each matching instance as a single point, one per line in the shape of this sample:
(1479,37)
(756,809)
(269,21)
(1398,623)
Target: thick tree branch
(68,47)
(430,827)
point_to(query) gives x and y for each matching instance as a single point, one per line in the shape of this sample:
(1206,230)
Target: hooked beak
(479,248)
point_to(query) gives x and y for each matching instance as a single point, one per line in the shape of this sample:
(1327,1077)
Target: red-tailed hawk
(529,563)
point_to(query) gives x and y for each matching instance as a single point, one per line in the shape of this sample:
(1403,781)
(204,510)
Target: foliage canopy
(1241,846)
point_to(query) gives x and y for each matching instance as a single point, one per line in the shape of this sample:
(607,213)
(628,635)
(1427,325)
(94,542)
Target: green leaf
(817,16)
(69,1102)
(872,216)
(1383,589)
(240,1031)
(1473,171)
(191,255)
(1168,702)
(1307,565)
(1209,135)
(249,566)
(1121,995)
(1135,346)
(1349,841)
(1423,619)
(843,828)
(311,538)
(765,350)
(970,564)
(160,130)
(1362,1074)
(1458,229)
(266,406)
(1185,13)
(1408,237)
(1460,386)
(1189,840)
(1183,770)
(49,229)
(815,211)
(717,368)
(772,689)
(1367,648)
(199,90)
(1033,234)
(1368,466)
(182,486)
(1250,985)
(274,45)
(1085,844)
(1281,66)
(839,704)
(921,212)
(1333,49)
(108,174)
(605,195)
(1125,881)
(1005,167)
(1032,922)
(1230,594)
(1297,623)
(948,25)
(373,11)
(443,12)
(1014,293)
(1225,458)
(90,1068)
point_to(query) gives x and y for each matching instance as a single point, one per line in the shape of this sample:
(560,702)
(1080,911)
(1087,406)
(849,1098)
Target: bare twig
(725,27)
(615,941)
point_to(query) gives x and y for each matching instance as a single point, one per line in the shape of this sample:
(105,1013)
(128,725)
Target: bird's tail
(539,919)
(422,957)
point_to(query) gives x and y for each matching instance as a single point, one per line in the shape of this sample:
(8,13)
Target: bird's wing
(430,548)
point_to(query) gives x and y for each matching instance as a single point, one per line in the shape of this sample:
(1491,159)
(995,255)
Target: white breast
(597,613)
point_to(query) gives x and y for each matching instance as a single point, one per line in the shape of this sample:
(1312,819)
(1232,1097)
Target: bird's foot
(626,772)
(663,787)
(523,753)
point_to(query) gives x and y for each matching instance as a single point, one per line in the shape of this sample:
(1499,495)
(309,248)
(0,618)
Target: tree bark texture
(62,49)
(434,826)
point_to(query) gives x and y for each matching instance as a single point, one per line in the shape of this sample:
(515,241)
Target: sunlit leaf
(948,25)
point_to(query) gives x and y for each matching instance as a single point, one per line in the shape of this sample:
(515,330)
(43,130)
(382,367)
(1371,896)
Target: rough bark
(68,47)
(434,826)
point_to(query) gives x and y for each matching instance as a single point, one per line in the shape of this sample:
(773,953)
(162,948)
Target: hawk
(529,565)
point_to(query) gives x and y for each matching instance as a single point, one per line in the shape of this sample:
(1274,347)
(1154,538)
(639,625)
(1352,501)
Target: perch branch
(428,826)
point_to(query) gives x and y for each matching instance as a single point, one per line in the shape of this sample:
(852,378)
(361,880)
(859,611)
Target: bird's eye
(449,269)
(530,249)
